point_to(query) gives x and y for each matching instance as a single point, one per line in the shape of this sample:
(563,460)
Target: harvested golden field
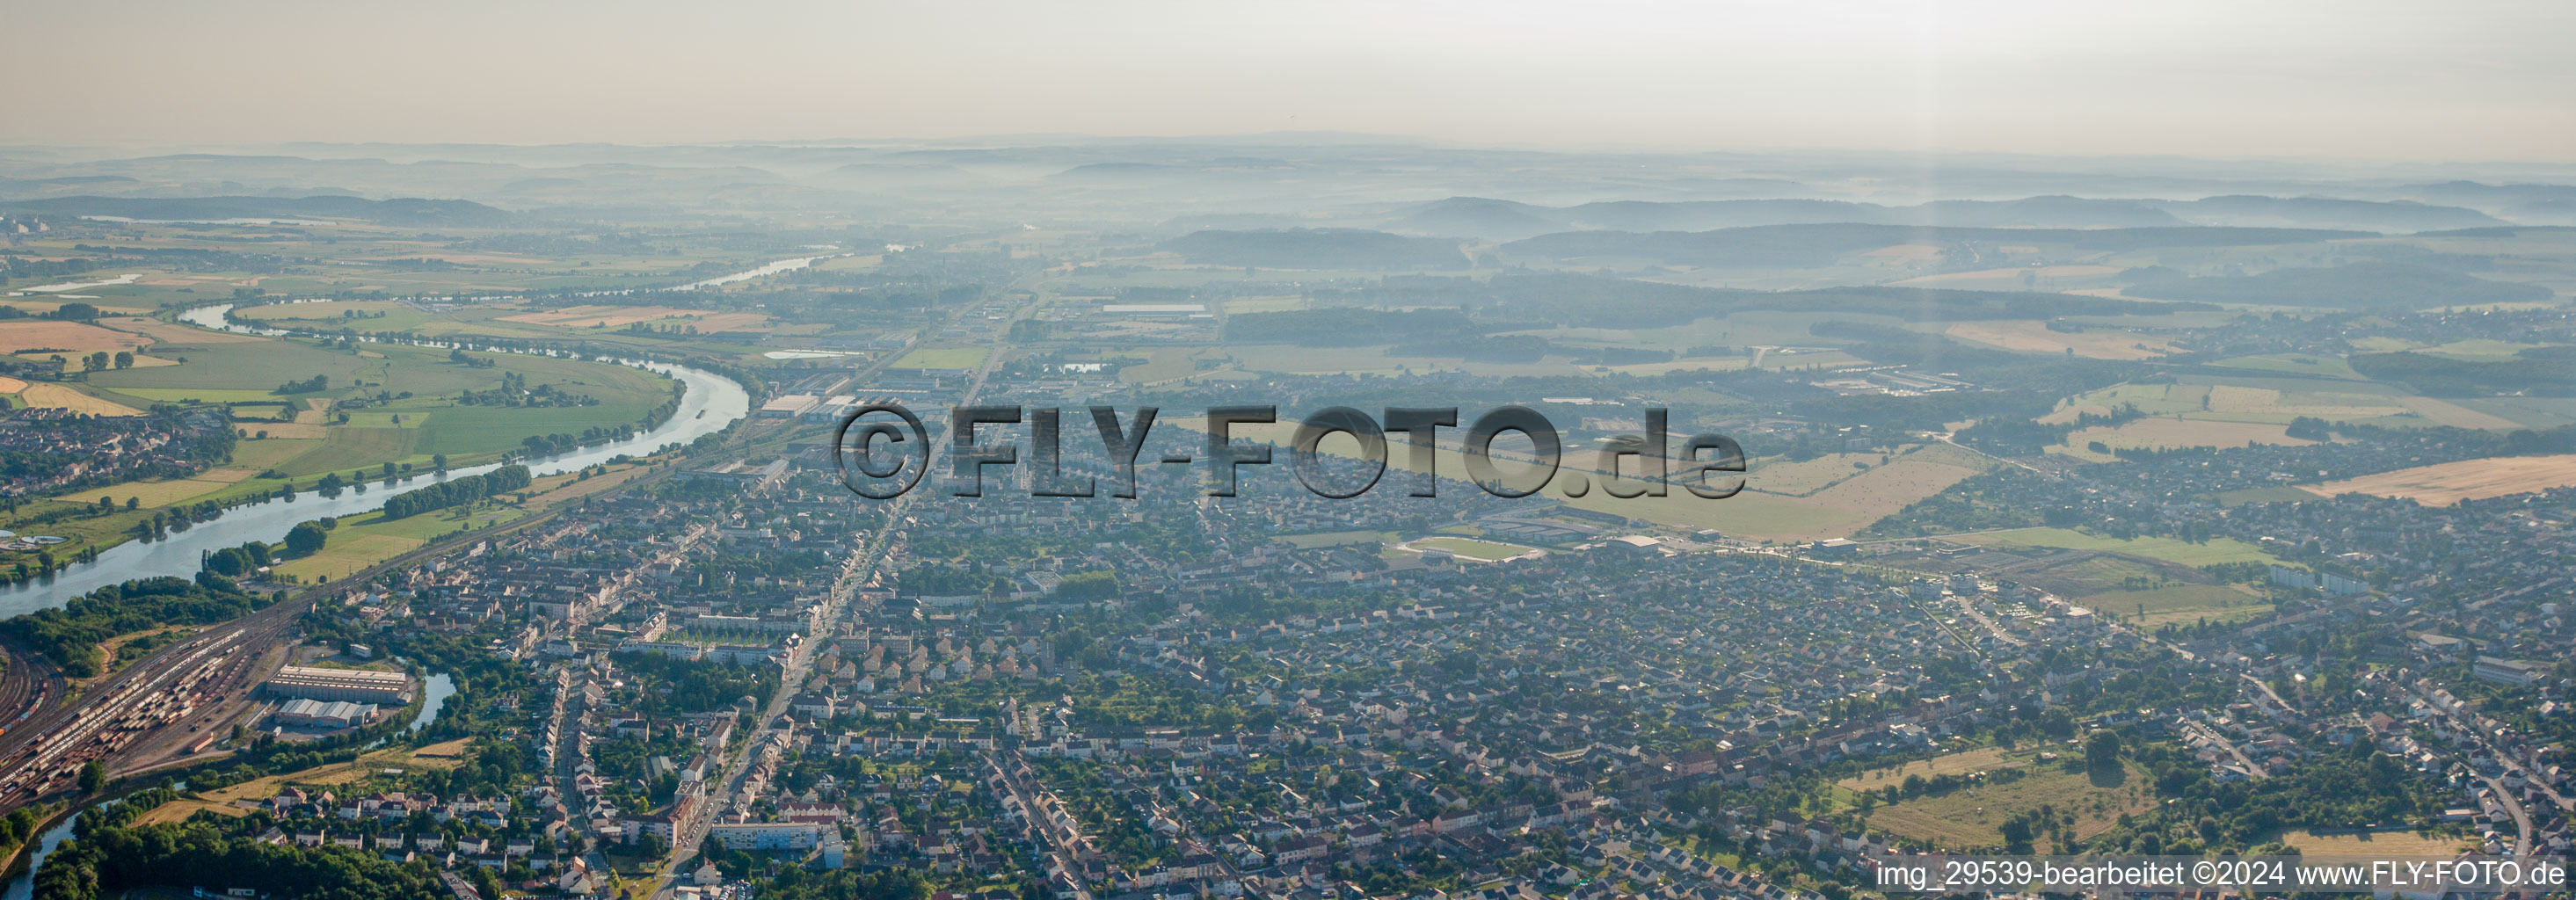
(177,811)
(2030,336)
(2373,844)
(2473,479)
(596,316)
(64,337)
(55,396)
(337,773)
(151,494)
(10,385)
(34,306)
(1960,763)
(1798,479)
(454,749)
(1881,492)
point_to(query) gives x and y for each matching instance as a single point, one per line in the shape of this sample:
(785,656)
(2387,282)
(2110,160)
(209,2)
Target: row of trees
(113,859)
(70,634)
(457,491)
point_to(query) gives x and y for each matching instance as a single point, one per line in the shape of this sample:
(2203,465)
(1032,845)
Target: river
(24,886)
(784,265)
(433,698)
(711,402)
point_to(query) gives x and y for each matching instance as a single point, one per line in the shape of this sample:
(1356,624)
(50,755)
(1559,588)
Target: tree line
(456,491)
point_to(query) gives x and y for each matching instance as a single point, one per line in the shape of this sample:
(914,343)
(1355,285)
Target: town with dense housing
(1313,515)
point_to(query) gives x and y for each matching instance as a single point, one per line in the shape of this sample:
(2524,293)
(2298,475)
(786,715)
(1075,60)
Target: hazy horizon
(2304,80)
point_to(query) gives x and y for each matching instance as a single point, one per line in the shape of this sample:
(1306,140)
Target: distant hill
(2056,211)
(1492,219)
(2358,286)
(1807,246)
(1595,301)
(2537,204)
(37,187)
(1482,217)
(898,175)
(399,211)
(1115,170)
(2246,210)
(2502,232)
(1446,308)
(1318,248)
(1507,220)
(1702,215)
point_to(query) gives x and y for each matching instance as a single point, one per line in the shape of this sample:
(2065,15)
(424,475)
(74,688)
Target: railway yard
(173,705)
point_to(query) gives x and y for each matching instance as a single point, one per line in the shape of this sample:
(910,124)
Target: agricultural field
(2473,479)
(1960,763)
(334,775)
(1797,479)
(1972,816)
(2165,433)
(2178,604)
(360,421)
(37,338)
(365,540)
(38,304)
(50,395)
(1472,549)
(2030,336)
(358,315)
(2479,349)
(2257,409)
(2295,364)
(2182,553)
(1839,510)
(1810,477)
(2373,843)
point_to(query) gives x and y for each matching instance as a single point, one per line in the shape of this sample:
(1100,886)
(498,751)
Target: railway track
(175,687)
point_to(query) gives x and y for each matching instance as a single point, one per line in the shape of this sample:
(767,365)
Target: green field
(2180,603)
(1972,816)
(328,316)
(385,425)
(351,448)
(2297,363)
(366,540)
(1470,548)
(2211,552)
(200,395)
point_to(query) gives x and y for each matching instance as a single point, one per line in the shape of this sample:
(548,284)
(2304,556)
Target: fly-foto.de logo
(883,450)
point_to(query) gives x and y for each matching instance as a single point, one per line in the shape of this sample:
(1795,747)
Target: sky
(2339,79)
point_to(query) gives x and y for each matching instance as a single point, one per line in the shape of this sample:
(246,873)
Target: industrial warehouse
(353,685)
(303,713)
